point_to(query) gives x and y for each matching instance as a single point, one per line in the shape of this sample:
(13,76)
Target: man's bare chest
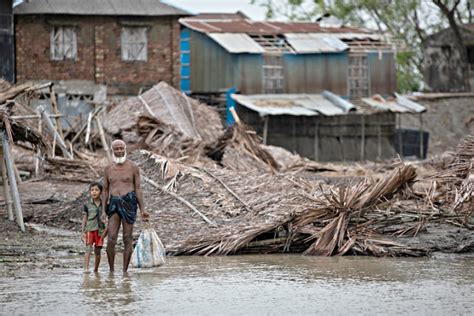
(118,175)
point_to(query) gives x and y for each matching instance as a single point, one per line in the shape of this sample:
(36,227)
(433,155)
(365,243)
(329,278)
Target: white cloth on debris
(149,251)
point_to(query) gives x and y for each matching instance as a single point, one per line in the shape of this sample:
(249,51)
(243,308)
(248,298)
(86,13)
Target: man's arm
(105,195)
(139,192)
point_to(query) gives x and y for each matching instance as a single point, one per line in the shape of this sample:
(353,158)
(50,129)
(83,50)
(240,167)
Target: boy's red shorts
(93,238)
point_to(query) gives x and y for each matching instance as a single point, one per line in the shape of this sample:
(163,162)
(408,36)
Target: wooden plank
(58,138)
(13,184)
(102,138)
(54,106)
(6,187)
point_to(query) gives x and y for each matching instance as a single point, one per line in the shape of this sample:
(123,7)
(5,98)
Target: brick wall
(99,57)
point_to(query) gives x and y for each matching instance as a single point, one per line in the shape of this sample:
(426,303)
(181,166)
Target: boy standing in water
(93,229)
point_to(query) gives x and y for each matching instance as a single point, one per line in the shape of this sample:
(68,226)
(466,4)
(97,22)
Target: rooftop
(99,7)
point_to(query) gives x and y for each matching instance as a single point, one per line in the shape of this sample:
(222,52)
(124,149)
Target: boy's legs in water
(87,257)
(97,258)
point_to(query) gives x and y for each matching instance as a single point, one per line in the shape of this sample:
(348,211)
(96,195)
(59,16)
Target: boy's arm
(139,192)
(84,221)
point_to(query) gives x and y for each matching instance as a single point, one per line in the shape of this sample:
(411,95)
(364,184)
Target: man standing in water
(122,195)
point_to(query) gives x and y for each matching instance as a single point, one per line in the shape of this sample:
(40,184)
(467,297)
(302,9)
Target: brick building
(124,44)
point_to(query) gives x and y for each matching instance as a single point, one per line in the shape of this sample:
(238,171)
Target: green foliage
(408,79)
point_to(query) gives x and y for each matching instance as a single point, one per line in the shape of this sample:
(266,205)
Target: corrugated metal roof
(398,105)
(99,7)
(237,42)
(288,104)
(262,27)
(315,43)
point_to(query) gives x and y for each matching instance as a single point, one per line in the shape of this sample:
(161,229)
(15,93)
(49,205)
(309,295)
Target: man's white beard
(119,160)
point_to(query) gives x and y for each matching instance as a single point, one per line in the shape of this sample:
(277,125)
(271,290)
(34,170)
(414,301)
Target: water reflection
(252,285)
(109,291)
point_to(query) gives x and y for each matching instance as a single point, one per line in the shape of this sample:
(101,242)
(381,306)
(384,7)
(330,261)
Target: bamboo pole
(6,187)
(88,129)
(84,126)
(54,106)
(102,138)
(421,136)
(379,142)
(400,138)
(13,185)
(38,151)
(179,198)
(316,140)
(265,129)
(362,140)
(37,116)
(50,125)
(234,115)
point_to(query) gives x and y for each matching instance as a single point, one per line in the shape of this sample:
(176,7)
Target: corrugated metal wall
(212,67)
(313,73)
(382,72)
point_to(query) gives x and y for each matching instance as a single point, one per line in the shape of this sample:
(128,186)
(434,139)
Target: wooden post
(294,134)
(421,136)
(379,141)
(54,106)
(341,140)
(88,129)
(316,140)
(102,138)
(400,138)
(265,129)
(58,138)
(6,187)
(38,151)
(11,176)
(362,139)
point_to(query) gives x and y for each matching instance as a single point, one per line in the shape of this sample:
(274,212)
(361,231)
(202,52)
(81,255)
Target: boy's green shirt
(93,217)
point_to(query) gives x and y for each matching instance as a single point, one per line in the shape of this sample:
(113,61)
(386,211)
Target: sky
(255,12)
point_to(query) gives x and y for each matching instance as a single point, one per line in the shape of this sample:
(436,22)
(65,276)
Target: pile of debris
(216,192)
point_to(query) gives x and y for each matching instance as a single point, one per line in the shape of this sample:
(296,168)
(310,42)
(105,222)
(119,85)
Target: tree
(407,21)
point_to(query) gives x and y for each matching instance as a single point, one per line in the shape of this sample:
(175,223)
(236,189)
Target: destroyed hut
(325,127)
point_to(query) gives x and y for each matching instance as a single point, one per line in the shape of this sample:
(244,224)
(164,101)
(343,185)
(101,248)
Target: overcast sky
(255,12)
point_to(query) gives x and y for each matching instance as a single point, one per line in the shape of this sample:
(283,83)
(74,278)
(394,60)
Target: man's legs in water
(112,230)
(127,244)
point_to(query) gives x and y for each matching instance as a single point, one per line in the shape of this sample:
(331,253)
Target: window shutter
(134,43)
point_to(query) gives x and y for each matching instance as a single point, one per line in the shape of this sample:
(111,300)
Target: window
(134,43)
(273,76)
(63,43)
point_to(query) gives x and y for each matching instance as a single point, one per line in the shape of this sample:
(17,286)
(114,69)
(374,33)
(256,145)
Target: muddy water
(276,285)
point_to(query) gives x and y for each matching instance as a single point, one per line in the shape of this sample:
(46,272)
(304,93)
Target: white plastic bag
(149,251)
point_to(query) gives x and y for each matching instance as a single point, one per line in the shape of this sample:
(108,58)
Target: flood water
(254,285)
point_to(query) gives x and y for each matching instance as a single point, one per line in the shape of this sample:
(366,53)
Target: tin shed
(224,51)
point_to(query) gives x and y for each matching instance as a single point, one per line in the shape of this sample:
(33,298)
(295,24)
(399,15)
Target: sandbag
(149,251)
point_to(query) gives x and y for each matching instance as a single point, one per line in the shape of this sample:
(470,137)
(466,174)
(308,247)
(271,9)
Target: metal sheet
(289,104)
(315,43)
(262,27)
(99,7)
(272,105)
(398,105)
(314,73)
(237,42)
